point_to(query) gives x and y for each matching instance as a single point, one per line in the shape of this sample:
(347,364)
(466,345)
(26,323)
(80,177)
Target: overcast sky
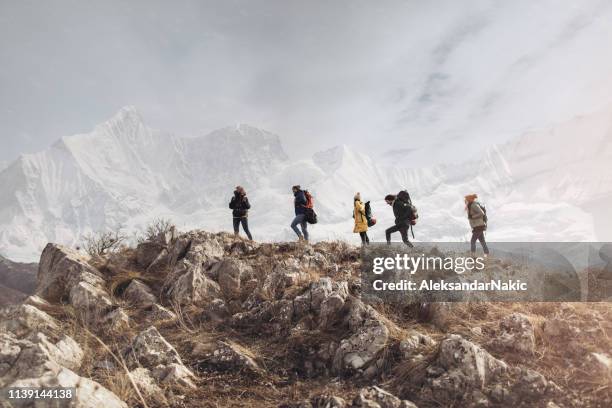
(431,80)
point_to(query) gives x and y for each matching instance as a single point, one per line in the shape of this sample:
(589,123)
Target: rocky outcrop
(516,334)
(369,336)
(38,361)
(64,274)
(462,367)
(151,350)
(24,319)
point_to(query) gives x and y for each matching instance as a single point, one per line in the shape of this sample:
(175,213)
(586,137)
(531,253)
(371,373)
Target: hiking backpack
(309,199)
(368,214)
(414,213)
(311,215)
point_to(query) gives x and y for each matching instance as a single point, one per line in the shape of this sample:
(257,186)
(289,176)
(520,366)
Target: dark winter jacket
(300,202)
(402,212)
(240,205)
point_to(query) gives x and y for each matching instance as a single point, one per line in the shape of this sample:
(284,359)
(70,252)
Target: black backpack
(311,215)
(414,213)
(368,214)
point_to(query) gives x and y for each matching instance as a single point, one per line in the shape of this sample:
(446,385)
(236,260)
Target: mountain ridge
(124,174)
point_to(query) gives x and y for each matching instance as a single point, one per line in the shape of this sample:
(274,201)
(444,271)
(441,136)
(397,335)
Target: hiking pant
(403,230)
(478,234)
(301,220)
(245,226)
(364,238)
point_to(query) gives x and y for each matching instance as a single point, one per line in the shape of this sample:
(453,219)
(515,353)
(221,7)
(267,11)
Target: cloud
(376,75)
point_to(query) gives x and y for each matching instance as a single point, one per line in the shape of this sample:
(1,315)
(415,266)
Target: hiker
(240,211)
(300,203)
(361,221)
(477,215)
(403,214)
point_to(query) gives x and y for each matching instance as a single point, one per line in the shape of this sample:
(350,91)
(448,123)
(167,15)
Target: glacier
(553,184)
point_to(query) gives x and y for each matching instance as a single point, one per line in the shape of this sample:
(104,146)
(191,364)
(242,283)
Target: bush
(155,228)
(103,242)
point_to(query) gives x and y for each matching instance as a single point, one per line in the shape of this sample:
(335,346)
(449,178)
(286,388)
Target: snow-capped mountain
(549,185)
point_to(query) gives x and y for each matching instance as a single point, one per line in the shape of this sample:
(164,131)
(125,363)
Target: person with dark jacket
(240,211)
(478,222)
(402,213)
(299,202)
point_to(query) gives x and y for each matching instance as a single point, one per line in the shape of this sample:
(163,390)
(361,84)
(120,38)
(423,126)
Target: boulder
(148,252)
(230,274)
(139,294)
(362,347)
(375,397)
(195,244)
(318,292)
(516,334)
(89,299)
(228,356)
(66,352)
(150,349)
(26,318)
(461,367)
(61,268)
(37,363)
(190,286)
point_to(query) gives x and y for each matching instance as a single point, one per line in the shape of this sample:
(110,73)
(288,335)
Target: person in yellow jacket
(361,222)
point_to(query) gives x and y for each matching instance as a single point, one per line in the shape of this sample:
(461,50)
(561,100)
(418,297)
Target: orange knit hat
(471,197)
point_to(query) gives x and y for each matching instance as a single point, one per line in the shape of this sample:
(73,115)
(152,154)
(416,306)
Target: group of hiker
(404,211)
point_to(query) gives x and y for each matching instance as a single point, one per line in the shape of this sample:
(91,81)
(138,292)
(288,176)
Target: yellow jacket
(361,222)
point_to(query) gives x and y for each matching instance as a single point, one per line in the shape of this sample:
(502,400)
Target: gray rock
(230,274)
(147,385)
(150,349)
(37,363)
(190,286)
(375,397)
(148,252)
(229,356)
(26,318)
(516,334)
(362,346)
(461,368)
(139,294)
(89,300)
(61,268)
